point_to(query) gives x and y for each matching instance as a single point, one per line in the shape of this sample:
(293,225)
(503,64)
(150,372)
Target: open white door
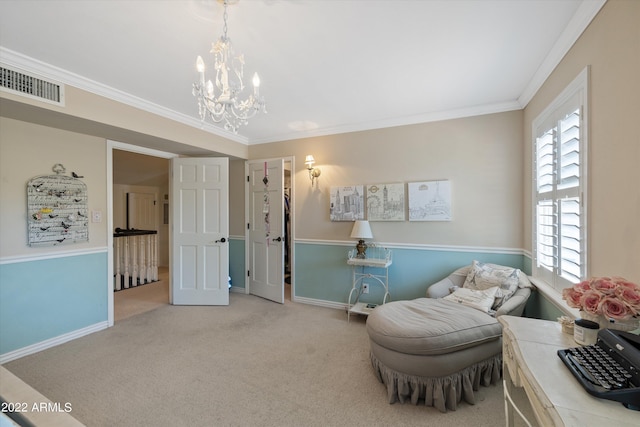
(200,248)
(266,229)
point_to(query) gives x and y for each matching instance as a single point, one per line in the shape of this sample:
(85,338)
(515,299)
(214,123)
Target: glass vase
(620,325)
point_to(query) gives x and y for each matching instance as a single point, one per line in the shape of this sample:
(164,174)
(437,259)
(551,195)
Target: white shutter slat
(569,150)
(546,240)
(545,162)
(570,236)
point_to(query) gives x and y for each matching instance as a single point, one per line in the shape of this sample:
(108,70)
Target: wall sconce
(313,172)
(361,230)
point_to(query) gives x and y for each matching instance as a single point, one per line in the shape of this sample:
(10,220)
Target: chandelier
(221,100)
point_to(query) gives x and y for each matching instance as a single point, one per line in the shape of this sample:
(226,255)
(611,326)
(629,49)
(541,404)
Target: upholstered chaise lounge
(439,350)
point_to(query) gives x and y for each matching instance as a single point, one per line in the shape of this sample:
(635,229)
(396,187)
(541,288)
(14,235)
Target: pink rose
(612,297)
(629,296)
(624,283)
(582,286)
(572,297)
(590,301)
(605,285)
(613,308)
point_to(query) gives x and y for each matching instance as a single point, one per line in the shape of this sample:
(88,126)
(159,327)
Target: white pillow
(479,299)
(484,276)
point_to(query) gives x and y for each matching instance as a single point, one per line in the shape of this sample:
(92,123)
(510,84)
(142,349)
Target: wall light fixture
(313,172)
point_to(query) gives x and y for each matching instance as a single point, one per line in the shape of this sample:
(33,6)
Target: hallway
(143,298)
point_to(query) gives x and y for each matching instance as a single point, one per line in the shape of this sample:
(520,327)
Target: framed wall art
(430,201)
(385,202)
(57,209)
(347,203)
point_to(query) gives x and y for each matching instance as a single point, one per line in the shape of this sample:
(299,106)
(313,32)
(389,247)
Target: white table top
(535,343)
(370,262)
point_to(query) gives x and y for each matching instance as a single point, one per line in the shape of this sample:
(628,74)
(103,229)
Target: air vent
(31,86)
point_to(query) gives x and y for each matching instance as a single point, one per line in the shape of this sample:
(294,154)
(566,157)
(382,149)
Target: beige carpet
(252,363)
(143,298)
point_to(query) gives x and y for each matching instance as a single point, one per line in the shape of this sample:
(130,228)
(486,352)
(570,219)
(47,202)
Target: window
(559,188)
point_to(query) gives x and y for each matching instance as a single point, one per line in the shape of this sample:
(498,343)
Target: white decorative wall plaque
(430,201)
(347,203)
(57,209)
(385,202)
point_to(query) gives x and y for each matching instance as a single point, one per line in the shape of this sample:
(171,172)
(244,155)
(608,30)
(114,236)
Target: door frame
(115,145)
(292,265)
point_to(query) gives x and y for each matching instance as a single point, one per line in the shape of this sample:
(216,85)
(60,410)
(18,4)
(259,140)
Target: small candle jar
(585,332)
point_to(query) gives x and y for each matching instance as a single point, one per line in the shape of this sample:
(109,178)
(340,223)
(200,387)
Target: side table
(358,278)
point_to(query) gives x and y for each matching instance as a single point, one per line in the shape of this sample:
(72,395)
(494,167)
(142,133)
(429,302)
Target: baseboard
(52,342)
(320,302)
(237,290)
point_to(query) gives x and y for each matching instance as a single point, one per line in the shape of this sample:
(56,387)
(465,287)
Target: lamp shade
(309,160)
(361,230)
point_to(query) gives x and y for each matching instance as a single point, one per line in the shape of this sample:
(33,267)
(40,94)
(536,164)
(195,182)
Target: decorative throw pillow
(479,299)
(484,276)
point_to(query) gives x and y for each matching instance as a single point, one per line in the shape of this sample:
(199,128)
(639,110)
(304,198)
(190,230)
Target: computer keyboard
(607,369)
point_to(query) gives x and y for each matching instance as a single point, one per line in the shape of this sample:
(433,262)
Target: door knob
(221,240)
(279,239)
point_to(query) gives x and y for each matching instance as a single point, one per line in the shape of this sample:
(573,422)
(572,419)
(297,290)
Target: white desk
(530,360)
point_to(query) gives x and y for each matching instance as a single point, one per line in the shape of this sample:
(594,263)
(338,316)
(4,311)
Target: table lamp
(361,230)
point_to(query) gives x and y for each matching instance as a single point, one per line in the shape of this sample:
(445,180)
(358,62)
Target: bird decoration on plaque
(57,209)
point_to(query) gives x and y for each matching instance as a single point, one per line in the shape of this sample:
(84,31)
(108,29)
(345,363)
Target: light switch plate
(96,216)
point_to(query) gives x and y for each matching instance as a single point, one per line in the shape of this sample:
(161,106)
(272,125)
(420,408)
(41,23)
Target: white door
(200,248)
(142,211)
(266,235)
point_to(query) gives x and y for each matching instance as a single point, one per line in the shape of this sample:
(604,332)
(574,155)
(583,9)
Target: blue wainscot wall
(323,276)
(52,299)
(237,267)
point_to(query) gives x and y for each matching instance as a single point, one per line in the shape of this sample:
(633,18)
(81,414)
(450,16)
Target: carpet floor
(252,363)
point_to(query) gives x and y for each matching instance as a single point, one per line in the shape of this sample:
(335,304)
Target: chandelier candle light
(220,101)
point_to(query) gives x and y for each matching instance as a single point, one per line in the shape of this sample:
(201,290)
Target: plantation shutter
(570,226)
(559,227)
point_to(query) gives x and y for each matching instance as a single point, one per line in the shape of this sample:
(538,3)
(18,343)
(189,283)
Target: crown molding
(587,10)
(435,116)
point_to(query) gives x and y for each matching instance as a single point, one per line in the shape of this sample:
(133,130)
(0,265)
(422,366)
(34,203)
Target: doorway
(139,197)
(270,229)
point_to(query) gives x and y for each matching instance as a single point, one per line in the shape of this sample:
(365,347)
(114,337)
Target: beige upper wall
(611,47)
(481,156)
(91,114)
(27,151)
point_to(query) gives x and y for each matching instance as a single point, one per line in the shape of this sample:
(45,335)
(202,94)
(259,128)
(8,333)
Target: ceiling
(326,66)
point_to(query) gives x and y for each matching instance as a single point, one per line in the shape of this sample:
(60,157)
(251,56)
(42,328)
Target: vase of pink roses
(612,302)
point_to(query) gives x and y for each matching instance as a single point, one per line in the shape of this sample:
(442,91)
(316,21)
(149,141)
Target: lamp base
(362,249)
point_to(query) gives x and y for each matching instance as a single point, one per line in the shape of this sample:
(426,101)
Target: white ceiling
(327,66)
